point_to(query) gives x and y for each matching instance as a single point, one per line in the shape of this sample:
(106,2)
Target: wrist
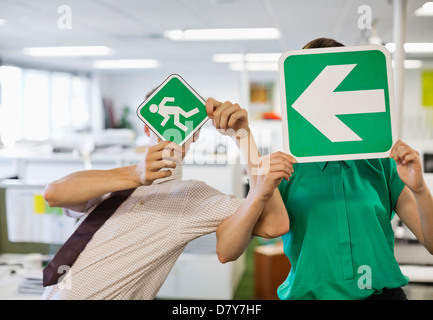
(261,196)
(420,191)
(241,134)
(137,175)
(244,133)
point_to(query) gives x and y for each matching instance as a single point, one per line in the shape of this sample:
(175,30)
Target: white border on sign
(284,106)
(174,75)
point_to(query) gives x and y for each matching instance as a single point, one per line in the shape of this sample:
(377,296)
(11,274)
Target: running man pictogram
(167,111)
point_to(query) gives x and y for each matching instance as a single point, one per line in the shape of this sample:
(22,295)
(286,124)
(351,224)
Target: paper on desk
(31,282)
(29,219)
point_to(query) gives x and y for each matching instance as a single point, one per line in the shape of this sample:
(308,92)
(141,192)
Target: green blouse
(341,242)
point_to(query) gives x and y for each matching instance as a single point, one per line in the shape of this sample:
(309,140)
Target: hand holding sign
(408,166)
(228,118)
(163,155)
(273,168)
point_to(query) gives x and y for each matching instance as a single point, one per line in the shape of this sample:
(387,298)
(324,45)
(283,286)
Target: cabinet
(271,268)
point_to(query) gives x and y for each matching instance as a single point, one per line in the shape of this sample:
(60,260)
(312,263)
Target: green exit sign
(337,103)
(174,111)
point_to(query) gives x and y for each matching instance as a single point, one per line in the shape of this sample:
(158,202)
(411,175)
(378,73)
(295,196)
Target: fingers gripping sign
(158,160)
(228,118)
(409,166)
(272,170)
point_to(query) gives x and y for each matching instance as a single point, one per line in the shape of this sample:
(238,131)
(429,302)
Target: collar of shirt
(176,173)
(323,164)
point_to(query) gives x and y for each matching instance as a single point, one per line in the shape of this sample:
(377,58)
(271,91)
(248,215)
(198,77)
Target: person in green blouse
(341,242)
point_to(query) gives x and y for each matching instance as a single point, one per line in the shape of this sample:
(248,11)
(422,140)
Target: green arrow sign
(337,103)
(174,111)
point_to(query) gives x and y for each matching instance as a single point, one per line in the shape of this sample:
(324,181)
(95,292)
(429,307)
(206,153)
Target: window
(39,105)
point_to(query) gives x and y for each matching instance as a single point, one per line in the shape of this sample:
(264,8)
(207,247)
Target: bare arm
(263,212)
(274,220)
(235,232)
(415,203)
(74,190)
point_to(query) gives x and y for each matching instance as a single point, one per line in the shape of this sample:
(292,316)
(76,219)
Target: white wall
(417,120)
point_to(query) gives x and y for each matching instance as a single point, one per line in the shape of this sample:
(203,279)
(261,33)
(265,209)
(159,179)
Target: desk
(10,281)
(418,273)
(271,268)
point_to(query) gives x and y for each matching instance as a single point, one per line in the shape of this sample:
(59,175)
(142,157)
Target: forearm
(274,220)
(424,202)
(250,155)
(234,233)
(79,187)
(264,173)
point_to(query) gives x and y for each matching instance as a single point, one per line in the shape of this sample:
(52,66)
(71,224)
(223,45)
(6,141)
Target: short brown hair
(322,43)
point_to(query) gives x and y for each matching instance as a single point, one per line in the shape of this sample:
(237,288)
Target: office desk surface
(12,274)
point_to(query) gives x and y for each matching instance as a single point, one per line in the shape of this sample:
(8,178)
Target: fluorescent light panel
(76,51)
(254,66)
(410,64)
(414,47)
(249,57)
(425,10)
(223,34)
(126,64)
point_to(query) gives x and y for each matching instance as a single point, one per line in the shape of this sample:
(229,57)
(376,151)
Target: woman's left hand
(409,166)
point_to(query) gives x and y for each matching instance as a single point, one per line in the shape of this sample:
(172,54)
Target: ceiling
(134,28)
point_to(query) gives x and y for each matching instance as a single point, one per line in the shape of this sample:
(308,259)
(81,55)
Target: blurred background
(72,74)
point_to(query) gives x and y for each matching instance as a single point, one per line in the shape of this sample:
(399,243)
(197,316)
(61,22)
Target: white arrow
(319,104)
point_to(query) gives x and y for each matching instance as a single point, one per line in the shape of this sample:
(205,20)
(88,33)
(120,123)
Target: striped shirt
(131,255)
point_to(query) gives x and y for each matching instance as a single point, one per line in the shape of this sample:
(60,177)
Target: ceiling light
(67,51)
(228,57)
(421,47)
(410,64)
(223,34)
(2,22)
(249,57)
(253,66)
(424,47)
(425,10)
(126,64)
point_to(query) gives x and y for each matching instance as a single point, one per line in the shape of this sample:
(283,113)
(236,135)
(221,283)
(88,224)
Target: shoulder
(197,187)
(204,200)
(201,190)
